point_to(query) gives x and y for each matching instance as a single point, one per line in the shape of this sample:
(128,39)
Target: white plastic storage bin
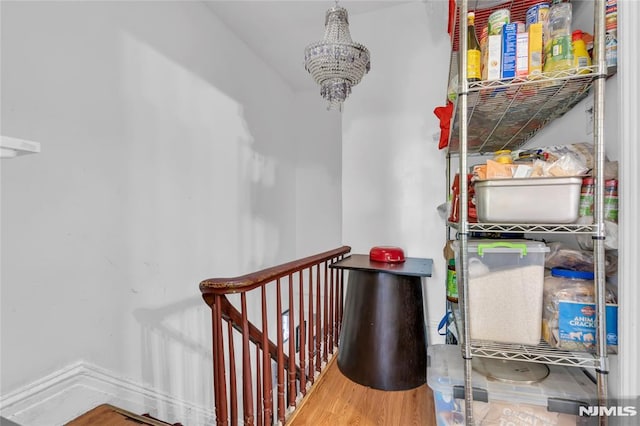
(506,281)
(528,200)
(552,401)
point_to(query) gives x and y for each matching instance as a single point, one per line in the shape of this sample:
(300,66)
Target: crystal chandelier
(336,63)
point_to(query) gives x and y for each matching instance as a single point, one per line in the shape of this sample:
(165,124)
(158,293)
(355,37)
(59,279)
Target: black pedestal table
(383,343)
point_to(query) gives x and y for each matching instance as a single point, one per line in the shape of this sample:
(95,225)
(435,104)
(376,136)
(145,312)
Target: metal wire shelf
(568,228)
(505,114)
(542,353)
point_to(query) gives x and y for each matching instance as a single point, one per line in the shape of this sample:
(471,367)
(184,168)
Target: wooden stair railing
(313,295)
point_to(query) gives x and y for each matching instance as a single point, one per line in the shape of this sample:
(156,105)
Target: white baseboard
(73,390)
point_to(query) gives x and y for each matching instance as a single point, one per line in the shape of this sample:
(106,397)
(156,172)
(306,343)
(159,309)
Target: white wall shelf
(12,147)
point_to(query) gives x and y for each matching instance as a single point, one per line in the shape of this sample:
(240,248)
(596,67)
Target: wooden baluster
(267,385)
(318,334)
(301,335)
(233,388)
(336,304)
(280,356)
(247,383)
(310,322)
(220,381)
(316,338)
(340,300)
(325,334)
(332,322)
(259,418)
(292,349)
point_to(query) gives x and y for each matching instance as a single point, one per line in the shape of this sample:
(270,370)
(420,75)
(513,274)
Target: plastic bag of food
(562,255)
(569,312)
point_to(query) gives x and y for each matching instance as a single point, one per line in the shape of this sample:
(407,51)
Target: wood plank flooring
(108,415)
(335,401)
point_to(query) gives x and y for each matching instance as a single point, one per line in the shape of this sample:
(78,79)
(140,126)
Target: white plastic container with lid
(554,400)
(506,279)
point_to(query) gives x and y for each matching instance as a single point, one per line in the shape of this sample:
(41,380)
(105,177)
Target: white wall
(167,157)
(392,171)
(318,175)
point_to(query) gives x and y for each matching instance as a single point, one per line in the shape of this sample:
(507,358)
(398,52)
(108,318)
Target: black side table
(383,342)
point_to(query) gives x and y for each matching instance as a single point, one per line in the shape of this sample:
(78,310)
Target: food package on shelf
(561,160)
(569,312)
(562,255)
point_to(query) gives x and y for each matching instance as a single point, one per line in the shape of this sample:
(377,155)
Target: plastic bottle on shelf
(611,200)
(559,52)
(474,55)
(581,57)
(452,284)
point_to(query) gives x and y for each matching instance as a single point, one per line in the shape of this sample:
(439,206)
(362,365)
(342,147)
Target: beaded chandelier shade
(336,63)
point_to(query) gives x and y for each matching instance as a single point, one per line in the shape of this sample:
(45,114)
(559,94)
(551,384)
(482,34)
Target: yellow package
(535,49)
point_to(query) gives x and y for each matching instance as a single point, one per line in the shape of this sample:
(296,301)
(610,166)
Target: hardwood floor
(108,415)
(337,401)
(334,401)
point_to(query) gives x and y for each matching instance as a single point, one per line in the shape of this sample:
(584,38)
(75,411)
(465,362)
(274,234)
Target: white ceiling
(278,31)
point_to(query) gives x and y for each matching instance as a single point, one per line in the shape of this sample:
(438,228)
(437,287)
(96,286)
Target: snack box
(528,200)
(554,400)
(505,283)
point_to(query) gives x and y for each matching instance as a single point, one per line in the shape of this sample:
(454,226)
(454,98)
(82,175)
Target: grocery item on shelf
(494,57)
(581,56)
(503,156)
(528,200)
(558,54)
(497,20)
(568,318)
(578,157)
(452,283)
(536,49)
(561,255)
(505,289)
(509,55)
(455,202)
(587,194)
(474,55)
(611,36)
(538,13)
(611,200)
(484,40)
(521,398)
(522,54)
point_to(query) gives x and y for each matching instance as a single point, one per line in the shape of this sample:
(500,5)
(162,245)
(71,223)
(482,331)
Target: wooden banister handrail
(256,279)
